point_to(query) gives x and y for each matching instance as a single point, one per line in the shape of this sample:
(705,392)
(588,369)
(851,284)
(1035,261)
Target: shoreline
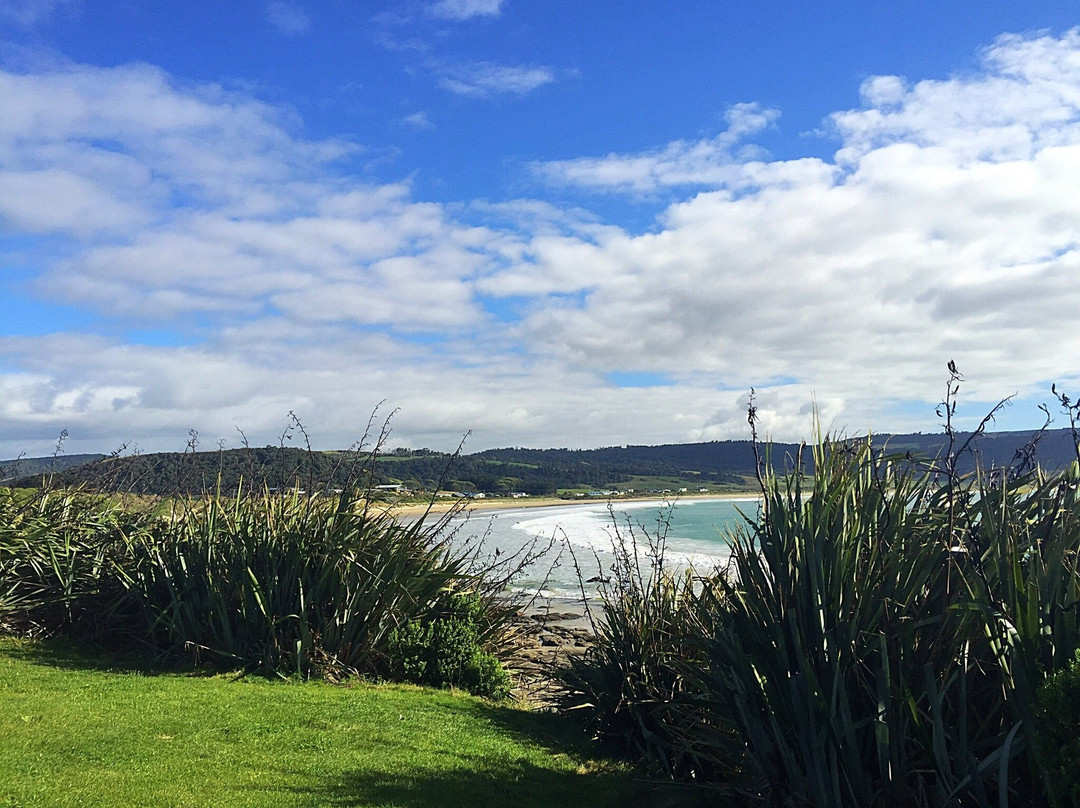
(440,506)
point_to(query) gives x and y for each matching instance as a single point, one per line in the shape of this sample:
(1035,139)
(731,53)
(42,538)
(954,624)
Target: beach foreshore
(548,634)
(442,505)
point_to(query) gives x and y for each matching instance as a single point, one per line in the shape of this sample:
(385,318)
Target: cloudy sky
(545,223)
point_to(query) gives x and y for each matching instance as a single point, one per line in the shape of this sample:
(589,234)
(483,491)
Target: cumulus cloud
(466,9)
(484,79)
(1027,100)
(57,200)
(944,227)
(105,393)
(130,134)
(198,205)
(418,120)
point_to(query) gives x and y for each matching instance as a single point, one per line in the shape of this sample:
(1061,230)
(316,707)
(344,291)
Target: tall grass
(877,639)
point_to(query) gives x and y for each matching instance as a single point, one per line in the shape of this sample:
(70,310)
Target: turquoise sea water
(696,532)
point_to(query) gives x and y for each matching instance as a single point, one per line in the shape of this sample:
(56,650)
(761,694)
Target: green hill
(24,467)
(714,465)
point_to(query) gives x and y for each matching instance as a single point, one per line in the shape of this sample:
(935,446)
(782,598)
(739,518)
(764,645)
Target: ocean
(582,537)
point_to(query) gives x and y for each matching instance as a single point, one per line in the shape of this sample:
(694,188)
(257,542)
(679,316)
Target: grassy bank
(79,730)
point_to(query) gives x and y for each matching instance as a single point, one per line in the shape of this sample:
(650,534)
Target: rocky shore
(546,637)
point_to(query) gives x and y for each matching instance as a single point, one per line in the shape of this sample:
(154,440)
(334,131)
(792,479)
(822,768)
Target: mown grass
(89,730)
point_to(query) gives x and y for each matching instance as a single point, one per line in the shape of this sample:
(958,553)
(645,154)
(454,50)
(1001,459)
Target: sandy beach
(409,510)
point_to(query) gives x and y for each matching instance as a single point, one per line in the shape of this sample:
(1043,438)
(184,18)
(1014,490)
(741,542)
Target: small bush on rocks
(446,651)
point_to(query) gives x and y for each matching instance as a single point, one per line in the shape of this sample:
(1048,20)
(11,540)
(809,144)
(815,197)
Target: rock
(555,617)
(538,650)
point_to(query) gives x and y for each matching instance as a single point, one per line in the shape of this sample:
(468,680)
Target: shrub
(1058,734)
(56,553)
(630,681)
(445,650)
(290,584)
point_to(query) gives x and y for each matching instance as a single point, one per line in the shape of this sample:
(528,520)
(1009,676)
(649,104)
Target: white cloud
(1027,100)
(106,393)
(346,266)
(262,221)
(57,200)
(287,18)
(711,162)
(28,13)
(945,227)
(130,134)
(418,120)
(466,9)
(484,79)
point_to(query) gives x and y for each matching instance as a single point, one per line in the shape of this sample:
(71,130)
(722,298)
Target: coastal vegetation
(494,472)
(888,632)
(892,629)
(289,585)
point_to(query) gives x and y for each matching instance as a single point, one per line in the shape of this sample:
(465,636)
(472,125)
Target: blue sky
(549,224)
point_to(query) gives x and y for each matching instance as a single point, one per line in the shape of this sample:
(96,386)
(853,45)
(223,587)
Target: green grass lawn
(78,730)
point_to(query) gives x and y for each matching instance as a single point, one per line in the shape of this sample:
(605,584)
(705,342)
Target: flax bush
(57,554)
(630,682)
(288,584)
(877,640)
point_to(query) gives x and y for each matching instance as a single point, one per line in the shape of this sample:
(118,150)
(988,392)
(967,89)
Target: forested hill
(543,471)
(734,457)
(714,466)
(530,471)
(1053,449)
(34,466)
(197,472)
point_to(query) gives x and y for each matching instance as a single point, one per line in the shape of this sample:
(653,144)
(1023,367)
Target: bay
(583,537)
